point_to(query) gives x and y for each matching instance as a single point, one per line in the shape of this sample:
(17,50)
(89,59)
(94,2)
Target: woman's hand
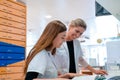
(70,75)
(102,72)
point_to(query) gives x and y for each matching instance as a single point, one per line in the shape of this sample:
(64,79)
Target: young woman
(39,63)
(71,51)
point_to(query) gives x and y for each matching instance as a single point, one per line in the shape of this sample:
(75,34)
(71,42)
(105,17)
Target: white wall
(113,6)
(64,10)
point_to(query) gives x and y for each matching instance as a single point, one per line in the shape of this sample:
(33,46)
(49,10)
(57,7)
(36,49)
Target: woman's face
(59,39)
(75,32)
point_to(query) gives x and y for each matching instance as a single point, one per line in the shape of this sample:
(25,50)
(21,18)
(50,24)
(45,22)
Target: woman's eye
(62,38)
(77,31)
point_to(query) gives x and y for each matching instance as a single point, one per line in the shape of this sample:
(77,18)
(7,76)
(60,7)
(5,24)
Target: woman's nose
(78,35)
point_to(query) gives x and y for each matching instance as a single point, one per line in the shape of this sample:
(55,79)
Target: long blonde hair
(45,41)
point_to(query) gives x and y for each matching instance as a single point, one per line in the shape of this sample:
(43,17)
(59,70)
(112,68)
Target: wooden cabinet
(12,71)
(12,30)
(12,11)
(13,22)
(14,5)
(21,43)
(12,17)
(12,39)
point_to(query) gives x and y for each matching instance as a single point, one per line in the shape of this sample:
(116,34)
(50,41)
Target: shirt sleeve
(61,59)
(79,49)
(38,63)
(83,62)
(31,75)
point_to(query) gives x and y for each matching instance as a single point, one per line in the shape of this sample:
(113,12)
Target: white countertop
(92,77)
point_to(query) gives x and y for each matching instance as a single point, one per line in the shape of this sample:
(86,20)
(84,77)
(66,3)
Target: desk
(89,77)
(93,77)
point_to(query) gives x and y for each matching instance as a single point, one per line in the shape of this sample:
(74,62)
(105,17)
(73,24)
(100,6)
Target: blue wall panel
(10,53)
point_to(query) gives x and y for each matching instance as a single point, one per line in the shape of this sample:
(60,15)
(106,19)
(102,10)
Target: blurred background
(103,26)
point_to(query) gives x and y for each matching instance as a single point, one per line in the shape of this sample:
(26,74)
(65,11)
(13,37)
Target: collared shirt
(43,64)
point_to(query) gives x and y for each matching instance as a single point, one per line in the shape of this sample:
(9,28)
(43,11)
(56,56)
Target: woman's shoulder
(42,53)
(76,41)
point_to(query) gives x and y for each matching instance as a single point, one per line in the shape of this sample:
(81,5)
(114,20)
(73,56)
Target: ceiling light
(48,16)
